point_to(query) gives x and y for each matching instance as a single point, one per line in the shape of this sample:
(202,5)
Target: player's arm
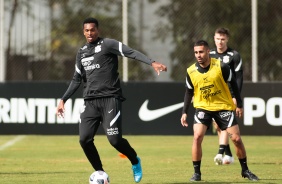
(238,67)
(76,80)
(230,78)
(121,49)
(189,92)
(74,85)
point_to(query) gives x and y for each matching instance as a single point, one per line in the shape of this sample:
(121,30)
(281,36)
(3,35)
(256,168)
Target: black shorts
(101,111)
(224,119)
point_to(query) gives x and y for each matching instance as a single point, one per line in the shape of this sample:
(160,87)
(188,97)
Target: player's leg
(218,157)
(217,129)
(224,147)
(88,126)
(224,140)
(234,133)
(112,124)
(228,157)
(226,121)
(202,122)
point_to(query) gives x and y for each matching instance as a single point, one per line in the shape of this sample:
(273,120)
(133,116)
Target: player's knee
(84,141)
(237,140)
(114,141)
(198,138)
(118,142)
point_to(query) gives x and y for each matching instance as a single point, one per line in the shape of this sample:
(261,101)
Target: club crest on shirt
(226,59)
(201,115)
(97,48)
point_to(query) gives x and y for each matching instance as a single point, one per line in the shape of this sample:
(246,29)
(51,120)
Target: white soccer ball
(99,177)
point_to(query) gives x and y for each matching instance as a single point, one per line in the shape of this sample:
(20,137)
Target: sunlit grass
(165,160)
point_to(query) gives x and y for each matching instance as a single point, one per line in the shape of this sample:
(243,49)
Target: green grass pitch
(165,160)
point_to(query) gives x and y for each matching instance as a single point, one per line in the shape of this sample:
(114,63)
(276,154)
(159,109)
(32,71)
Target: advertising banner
(149,109)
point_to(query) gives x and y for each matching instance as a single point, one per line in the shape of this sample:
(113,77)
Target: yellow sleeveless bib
(211,92)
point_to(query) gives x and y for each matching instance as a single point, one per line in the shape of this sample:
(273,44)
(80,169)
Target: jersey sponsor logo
(207,92)
(88,64)
(207,87)
(92,67)
(225,114)
(112,131)
(212,94)
(149,115)
(87,61)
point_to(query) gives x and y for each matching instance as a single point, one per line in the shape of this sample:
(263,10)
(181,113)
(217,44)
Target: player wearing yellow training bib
(206,81)
(212,92)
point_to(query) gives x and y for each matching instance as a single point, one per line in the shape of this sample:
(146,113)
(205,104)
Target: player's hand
(234,101)
(183,120)
(61,109)
(158,67)
(239,112)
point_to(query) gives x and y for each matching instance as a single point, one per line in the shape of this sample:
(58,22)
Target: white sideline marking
(11,142)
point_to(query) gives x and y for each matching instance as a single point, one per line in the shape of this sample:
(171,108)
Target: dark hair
(222,31)
(91,20)
(201,43)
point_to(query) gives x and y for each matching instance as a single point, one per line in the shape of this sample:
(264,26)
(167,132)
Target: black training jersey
(97,66)
(234,60)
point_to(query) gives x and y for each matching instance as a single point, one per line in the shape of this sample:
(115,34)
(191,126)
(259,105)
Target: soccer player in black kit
(97,66)
(233,59)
